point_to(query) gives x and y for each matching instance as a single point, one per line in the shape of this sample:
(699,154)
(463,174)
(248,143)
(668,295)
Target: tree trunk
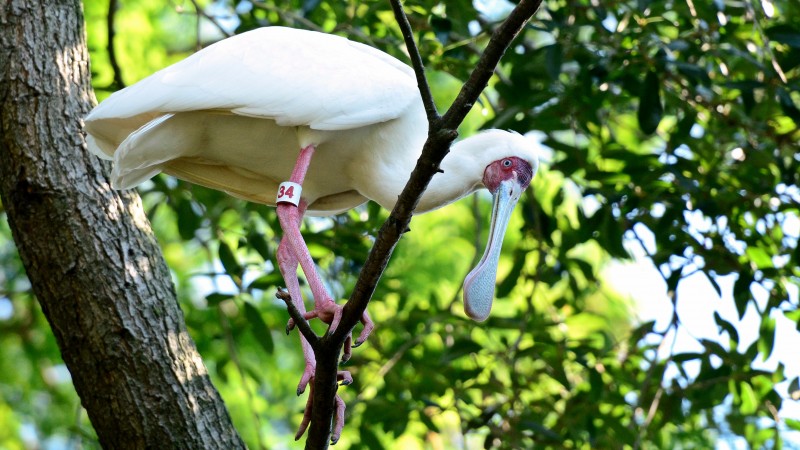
(89,251)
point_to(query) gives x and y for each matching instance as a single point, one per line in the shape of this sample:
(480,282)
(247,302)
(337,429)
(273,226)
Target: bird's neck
(461,175)
(382,175)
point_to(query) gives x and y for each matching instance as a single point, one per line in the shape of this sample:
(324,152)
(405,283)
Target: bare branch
(501,39)
(118,83)
(299,321)
(289,16)
(202,13)
(416,61)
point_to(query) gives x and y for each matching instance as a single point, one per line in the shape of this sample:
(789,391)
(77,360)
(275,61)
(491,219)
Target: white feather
(235,115)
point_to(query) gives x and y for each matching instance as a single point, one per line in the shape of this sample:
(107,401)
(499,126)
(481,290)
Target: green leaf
(259,328)
(257,242)
(787,104)
(596,385)
(553,59)
(785,34)
(695,74)
(510,281)
(216,298)
(188,219)
(759,257)
(713,280)
(683,357)
(726,326)
(540,430)
(714,348)
(794,388)
(792,423)
(369,439)
(650,108)
(749,399)
(460,348)
(741,292)
(794,316)
(428,422)
(766,339)
(268,281)
(228,260)
(643,330)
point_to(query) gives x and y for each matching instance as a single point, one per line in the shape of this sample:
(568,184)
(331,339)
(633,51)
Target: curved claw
(331,313)
(368,327)
(308,374)
(307,315)
(337,317)
(345,377)
(338,420)
(347,352)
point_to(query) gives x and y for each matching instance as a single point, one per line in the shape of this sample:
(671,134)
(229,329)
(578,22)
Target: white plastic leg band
(289,192)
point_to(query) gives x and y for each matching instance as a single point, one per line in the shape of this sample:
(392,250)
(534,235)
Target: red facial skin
(507,169)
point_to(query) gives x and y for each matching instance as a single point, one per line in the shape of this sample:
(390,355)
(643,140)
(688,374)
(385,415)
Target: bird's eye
(506,163)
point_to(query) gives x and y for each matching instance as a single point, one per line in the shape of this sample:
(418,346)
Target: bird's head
(514,162)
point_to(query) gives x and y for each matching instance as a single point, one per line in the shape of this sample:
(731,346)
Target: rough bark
(89,251)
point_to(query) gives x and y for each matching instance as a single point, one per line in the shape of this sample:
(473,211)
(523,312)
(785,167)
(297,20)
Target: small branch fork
(300,322)
(441,133)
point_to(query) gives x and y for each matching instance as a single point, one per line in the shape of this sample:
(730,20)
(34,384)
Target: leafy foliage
(673,127)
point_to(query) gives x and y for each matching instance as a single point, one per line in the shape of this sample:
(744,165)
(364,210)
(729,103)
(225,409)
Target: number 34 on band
(289,192)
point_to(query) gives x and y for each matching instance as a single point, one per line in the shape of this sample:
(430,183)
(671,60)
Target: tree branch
(200,12)
(501,39)
(299,321)
(441,133)
(100,276)
(112,53)
(416,61)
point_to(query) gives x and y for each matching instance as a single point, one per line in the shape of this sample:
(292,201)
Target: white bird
(313,124)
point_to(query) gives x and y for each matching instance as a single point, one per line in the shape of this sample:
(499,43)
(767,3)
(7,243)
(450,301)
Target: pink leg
(290,217)
(288,267)
(338,420)
(291,252)
(287,264)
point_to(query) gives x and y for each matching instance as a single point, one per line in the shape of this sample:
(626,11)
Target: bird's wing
(292,76)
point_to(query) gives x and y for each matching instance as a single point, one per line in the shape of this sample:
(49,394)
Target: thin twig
(113,5)
(202,13)
(299,321)
(398,355)
(501,39)
(416,61)
(289,16)
(767,47)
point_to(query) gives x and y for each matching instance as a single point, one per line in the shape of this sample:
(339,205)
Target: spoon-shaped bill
(479,284)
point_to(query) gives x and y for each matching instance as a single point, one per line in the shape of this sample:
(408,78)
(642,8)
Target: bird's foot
(338,418)
(327,311)
(331,313)
(342,376)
